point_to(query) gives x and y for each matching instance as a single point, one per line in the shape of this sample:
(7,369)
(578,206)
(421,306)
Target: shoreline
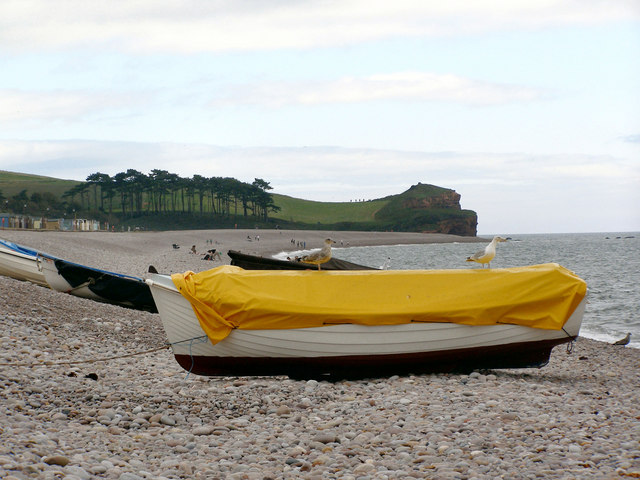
(131,253)
(121,412)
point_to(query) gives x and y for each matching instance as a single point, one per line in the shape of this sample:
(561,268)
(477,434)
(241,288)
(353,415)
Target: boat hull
(19,265)
(95,284)
(254,262)
(509,355)
(58,283)
(352,351)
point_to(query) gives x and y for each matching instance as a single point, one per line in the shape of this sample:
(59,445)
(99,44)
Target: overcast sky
(530,109)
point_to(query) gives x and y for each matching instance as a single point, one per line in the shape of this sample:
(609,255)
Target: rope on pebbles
(77,362)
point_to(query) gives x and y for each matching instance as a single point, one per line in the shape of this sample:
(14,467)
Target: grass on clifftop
(307,211)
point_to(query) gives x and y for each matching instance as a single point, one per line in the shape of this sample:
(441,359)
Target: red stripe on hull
(513,355)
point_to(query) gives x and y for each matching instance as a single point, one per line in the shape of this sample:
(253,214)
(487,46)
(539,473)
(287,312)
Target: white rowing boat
(427,341)
(19,262)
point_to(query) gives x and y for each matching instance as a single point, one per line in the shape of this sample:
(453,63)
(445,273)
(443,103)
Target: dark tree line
(37,203)
(133,193)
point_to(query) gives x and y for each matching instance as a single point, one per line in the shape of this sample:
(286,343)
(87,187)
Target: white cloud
(212,26)
(331,167)
(631,138)
(409,86)
(19,105)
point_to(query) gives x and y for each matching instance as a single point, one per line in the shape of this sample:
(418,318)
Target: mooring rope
(77,362)
(104,359)
(570,344)
(191,341)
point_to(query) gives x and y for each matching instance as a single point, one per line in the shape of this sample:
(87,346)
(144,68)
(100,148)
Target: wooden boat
(367,323)
(95,284)
(20,262)
(254,262)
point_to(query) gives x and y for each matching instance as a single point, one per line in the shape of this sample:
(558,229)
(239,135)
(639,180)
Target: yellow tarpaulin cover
(227,297)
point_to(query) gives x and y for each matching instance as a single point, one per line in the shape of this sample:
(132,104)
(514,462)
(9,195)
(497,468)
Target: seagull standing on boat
(623,341)
(486,255)
(321,256)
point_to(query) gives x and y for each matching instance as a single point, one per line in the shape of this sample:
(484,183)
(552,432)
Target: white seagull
(321,256)
(486,255)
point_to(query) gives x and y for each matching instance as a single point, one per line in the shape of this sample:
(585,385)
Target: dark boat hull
(513,355)
(96,284)
(254,262)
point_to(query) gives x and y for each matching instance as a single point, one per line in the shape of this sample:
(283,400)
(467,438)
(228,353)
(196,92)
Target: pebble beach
(89,390)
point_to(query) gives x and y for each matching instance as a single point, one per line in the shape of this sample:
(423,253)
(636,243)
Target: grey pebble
(130,476)
(146,419)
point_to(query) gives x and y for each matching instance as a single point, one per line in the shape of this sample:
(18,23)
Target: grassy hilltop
(422,208)
(13,183)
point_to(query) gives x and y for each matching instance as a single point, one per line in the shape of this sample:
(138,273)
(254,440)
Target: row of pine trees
(133,193)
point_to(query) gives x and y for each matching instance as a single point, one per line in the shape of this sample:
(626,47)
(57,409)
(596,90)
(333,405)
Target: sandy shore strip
(132,252)
(137,417)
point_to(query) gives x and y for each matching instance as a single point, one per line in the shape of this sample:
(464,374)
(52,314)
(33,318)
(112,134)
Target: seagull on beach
(321,256)
(486,255)
(623,341)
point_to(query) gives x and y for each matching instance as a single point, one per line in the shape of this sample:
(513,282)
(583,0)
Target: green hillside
(307,211)
(422,208)
(13,183)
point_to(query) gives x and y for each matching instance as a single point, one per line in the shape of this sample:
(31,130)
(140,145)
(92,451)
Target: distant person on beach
(212,255)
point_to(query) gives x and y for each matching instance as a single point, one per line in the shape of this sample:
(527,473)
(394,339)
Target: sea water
(608,262)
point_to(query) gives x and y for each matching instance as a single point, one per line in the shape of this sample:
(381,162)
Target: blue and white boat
(95,284)
(20,262)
